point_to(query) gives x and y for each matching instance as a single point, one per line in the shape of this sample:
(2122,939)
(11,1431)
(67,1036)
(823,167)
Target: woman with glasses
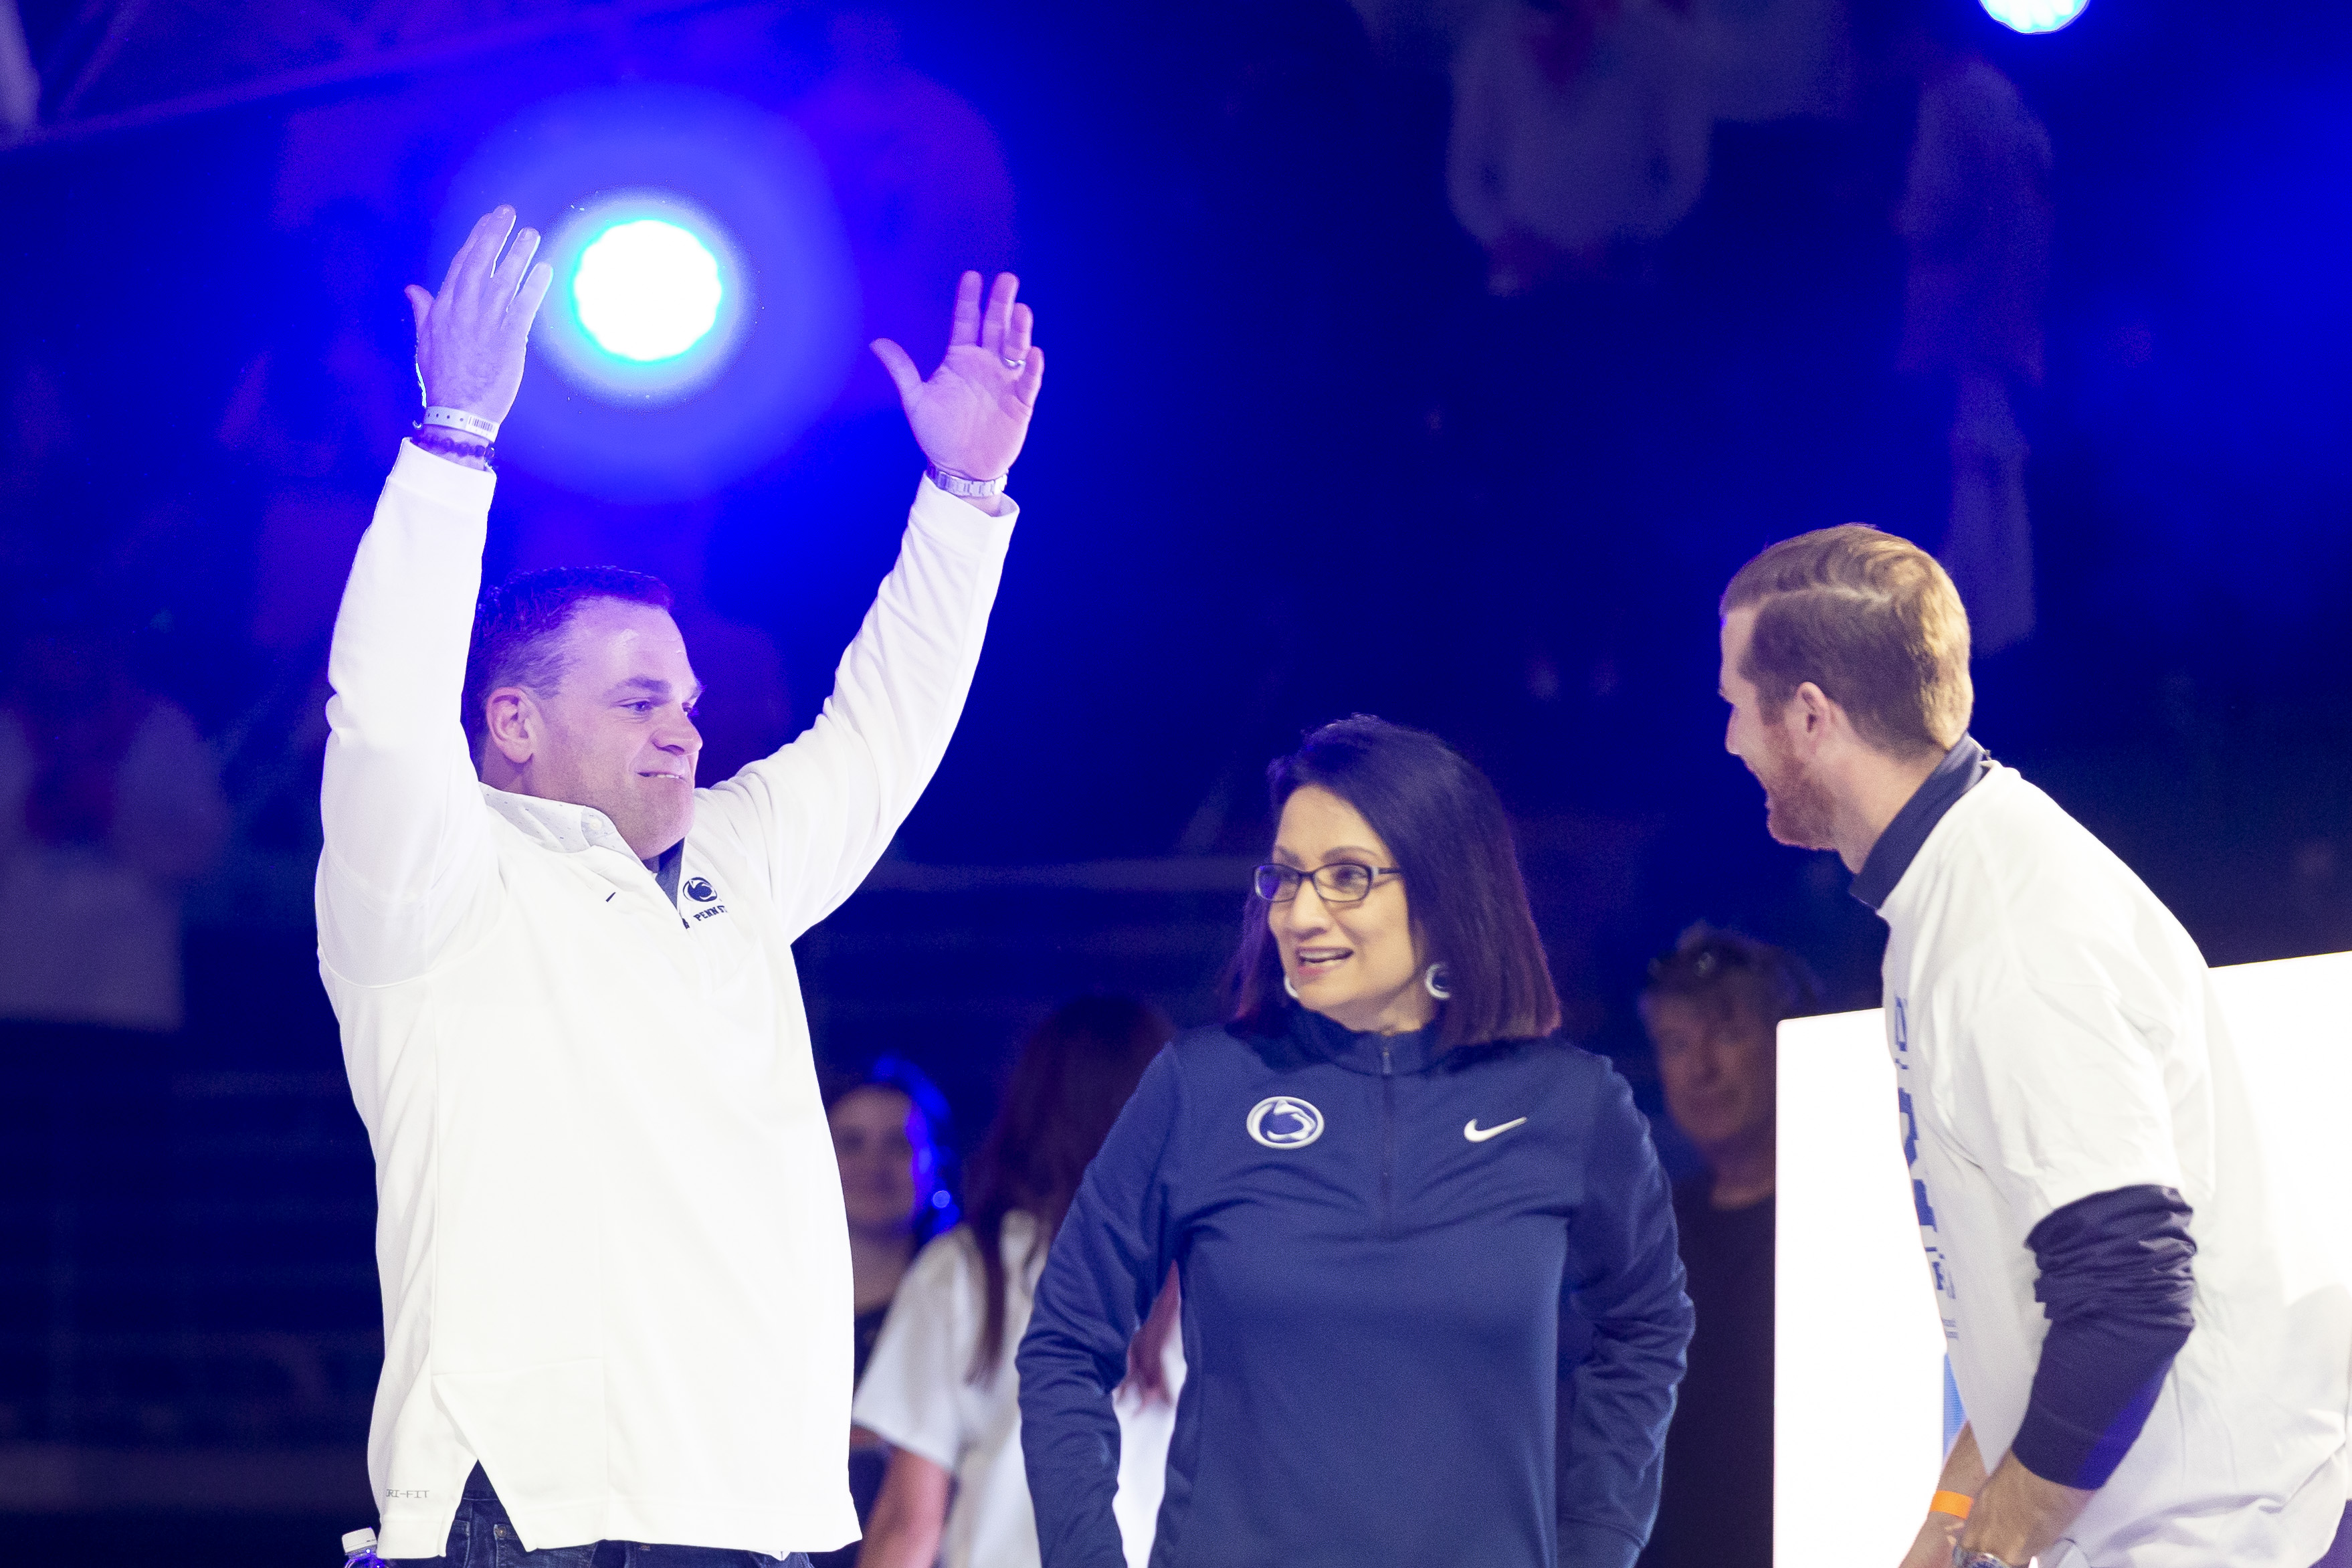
(1432,1311)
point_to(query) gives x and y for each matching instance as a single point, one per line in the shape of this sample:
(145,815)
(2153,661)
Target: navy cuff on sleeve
(2116,1287)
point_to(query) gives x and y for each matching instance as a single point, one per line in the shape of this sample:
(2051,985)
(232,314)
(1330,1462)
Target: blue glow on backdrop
(647,290)
(2035,15)
(705,308)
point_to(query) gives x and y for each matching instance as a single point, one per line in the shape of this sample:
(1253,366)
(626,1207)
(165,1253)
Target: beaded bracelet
(443,443)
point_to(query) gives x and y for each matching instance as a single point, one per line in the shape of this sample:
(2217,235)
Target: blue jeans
(482,1536)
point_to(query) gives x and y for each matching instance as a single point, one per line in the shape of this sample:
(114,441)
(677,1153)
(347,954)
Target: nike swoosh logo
(1478,1134)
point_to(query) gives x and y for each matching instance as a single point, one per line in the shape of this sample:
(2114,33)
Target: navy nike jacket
(1379,1246)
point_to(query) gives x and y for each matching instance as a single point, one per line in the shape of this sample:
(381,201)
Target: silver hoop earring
(1432,980)
(1287,985)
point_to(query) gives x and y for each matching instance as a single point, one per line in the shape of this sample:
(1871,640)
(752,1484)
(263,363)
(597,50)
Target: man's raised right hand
(470,336)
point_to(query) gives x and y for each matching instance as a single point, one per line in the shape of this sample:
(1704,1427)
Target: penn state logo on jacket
(1284,1122)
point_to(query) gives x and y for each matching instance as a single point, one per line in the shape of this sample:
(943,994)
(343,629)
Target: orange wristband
(1957,1504)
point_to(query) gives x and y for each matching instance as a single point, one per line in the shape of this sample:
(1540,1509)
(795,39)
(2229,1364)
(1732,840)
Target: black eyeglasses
(1340,882)
(1702,960)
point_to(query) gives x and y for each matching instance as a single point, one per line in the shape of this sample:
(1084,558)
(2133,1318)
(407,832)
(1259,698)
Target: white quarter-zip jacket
(2055,1036)
(615,1267)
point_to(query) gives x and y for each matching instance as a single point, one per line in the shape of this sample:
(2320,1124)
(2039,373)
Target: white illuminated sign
(1858,1420)
(1858,1359)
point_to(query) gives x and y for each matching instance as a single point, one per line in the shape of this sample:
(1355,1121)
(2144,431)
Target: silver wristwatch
(1962,1558)
(964,485)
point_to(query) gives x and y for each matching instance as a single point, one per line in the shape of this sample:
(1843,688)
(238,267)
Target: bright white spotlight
(655,298)
(647,290)
(2035,15)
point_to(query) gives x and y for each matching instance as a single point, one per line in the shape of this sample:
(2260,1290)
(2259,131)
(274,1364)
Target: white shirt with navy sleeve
(2055,1036)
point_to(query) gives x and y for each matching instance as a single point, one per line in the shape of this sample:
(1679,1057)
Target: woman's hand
(1147,1353)
(470,336)
(972,414)
(909,1515)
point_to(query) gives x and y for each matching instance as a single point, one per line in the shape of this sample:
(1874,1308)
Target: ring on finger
(1012,364)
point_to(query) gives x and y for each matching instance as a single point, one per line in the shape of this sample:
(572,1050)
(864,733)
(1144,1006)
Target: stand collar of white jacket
(558,823)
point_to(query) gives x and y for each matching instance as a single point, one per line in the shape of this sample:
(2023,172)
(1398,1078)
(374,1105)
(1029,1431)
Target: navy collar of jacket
(1957,773)
(1342,1046)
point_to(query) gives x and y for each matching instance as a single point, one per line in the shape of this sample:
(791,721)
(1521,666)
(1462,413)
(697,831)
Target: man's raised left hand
(470,337)
(973,414)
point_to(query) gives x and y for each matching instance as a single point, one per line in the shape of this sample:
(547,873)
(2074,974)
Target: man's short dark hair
(518,629)
(1722,970)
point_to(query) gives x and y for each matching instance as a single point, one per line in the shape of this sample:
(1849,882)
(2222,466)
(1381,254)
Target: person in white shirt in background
(942,1387)
(614,1266)
(1577,127)
(891,1138)
(111,805)
(2152,1360)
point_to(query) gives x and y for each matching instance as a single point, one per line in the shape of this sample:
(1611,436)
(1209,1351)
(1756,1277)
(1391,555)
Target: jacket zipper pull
(1387,1139)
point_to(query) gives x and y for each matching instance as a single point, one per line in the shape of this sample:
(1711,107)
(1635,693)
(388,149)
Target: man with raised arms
(2152,1363)
(615,1270)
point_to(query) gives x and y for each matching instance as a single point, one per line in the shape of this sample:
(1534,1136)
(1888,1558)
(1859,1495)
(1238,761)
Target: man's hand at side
(2018,1515)
(972,414)
(470,336)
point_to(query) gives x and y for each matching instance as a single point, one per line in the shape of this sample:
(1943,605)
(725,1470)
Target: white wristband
(464,423)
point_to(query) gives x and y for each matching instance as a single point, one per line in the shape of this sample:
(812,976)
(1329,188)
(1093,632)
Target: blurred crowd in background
(1436,358)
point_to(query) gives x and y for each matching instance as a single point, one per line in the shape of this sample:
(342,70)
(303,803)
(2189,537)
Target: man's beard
(1797,808)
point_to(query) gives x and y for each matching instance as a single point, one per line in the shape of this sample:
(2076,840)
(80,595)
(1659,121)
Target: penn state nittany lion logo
(1284,1122)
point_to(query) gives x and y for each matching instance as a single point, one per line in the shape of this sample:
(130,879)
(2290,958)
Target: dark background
(1292,460)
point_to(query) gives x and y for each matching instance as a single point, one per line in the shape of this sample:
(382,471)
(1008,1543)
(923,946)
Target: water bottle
(359,1551)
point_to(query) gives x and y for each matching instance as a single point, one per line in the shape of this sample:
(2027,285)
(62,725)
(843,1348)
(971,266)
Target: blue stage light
(706,307)
(647,290)
(2035,15)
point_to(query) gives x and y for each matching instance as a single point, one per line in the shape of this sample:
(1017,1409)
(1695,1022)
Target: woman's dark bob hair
(1445,825)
